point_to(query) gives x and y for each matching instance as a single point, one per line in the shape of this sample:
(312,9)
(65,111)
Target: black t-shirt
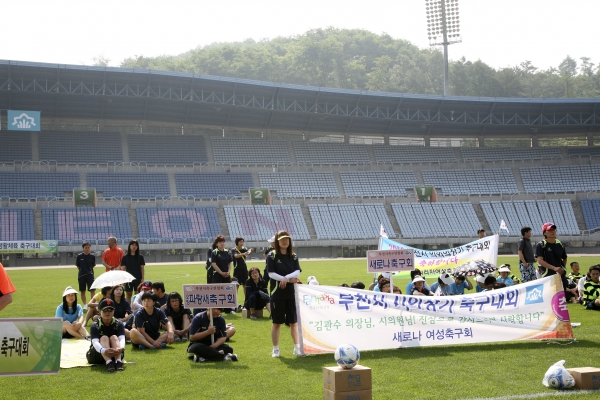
(283,265)
(122,308)
(553,254)
(151,323)
(525,247)
(239,263)
(85,264)
(133,264)
(201,322)
(178,317)
(114,328)
(253,287)
(222,259)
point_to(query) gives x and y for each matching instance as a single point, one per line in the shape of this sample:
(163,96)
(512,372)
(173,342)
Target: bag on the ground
(558,377)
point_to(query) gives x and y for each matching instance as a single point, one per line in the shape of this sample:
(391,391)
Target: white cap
(446,279)
(418,278)
(504,269)
(272,240)
(313,282)
(311,278)
(69,290)
(480,279)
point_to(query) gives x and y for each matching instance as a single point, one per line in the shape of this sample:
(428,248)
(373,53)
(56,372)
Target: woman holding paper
(284,269)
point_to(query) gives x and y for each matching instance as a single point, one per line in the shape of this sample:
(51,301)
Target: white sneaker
(198,359)
(299,353)
(275,353)
(231,312)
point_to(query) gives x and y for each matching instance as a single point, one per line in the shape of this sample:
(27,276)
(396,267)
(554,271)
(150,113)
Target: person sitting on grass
(442,286)
(92,312)
(201,347)
(121,305)
(158,288)
(178,316)
(72,315)
(419,288)
(108,338)
(148,322)
(136,303)
(575,274)
(591,289)
(409,286)
(383,285)
(504,278)
(257,296)
(460,284)
(489,283)
(480,279)
(358,285)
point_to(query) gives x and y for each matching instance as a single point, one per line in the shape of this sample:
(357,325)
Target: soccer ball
(347,356)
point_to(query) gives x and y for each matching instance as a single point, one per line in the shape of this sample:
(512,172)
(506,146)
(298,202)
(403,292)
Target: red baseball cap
(547,226)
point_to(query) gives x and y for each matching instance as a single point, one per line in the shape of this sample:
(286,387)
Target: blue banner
(23,120)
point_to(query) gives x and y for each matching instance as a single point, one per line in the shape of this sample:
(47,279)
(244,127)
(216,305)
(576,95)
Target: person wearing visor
(108,338)
(551,255)
(284,269)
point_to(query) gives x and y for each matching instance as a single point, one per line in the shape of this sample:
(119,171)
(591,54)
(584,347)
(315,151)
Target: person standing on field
(111,257)
(526,258)
(85,263)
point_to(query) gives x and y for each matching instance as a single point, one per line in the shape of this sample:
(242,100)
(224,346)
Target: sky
(501,33)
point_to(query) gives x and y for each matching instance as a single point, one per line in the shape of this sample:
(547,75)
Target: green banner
(30,346)
(29,246)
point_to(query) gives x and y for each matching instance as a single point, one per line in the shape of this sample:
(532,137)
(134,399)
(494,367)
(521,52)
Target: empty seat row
(177,223)
(349,221)
(16,224)
(260,222)
(423,220)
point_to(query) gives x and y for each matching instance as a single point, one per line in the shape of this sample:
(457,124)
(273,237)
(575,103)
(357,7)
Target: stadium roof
(75,92)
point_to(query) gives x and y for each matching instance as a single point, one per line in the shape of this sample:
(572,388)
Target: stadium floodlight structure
(443,28)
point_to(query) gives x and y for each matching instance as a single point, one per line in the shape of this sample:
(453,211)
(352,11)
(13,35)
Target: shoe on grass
(198,359)
(163,345)
(275,353)
(110,367)
(231,357)
(253,316)
(299,353)
(177,338)
(119,365)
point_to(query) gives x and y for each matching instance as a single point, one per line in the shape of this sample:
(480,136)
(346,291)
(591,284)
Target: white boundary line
(540,395)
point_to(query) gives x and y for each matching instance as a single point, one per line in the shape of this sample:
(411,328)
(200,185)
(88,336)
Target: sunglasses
(108,309)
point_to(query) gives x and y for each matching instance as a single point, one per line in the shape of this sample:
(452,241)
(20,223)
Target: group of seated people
(152,320)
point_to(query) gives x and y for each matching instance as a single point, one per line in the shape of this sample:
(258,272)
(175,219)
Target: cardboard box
(357,395)
(246,313)
(338,379)
(586,378)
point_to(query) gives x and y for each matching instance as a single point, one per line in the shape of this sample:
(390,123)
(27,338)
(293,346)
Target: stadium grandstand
(173,158)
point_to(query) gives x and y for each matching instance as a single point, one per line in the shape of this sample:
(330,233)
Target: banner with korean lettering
(29,246)
(331,315)
(30,346)
(435,262)
(210,295)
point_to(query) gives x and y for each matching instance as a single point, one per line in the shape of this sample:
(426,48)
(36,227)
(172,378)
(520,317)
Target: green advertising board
(29,246)
(30,346)
(84,197)
(260,196)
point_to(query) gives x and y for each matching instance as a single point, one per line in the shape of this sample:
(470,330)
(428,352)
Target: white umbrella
(112,278)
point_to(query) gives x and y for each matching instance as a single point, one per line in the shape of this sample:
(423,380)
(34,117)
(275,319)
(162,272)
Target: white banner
(435,262)
(331,315)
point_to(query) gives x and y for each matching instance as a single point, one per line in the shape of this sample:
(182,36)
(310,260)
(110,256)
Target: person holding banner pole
(204,329)
(6,289)
(284,270)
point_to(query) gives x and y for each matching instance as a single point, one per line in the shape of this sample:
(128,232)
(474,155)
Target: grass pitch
(445,372)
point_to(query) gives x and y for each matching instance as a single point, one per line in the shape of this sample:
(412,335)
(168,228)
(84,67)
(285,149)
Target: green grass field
(448,372)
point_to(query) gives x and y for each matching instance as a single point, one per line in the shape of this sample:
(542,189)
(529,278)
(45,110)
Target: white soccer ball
(347,355)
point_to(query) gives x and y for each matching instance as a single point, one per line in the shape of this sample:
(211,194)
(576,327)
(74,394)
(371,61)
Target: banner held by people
(436,262)
(373,321)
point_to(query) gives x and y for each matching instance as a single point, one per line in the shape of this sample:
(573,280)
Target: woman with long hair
(134,263)
(257,296)
(179,317)
(284,270)
(122,308)
(72,315)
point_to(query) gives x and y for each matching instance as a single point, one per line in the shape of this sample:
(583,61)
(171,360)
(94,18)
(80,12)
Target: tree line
(359,59)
